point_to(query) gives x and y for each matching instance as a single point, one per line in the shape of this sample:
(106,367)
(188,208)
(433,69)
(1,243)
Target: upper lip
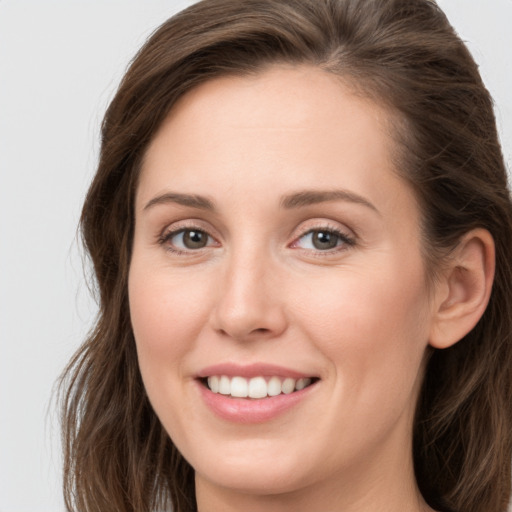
(251,370)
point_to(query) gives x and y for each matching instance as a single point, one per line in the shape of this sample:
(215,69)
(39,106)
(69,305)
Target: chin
(254,479)
(254,468)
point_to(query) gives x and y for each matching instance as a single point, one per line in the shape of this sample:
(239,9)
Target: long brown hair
(402,53)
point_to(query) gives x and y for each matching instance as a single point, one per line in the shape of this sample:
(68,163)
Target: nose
(249,303)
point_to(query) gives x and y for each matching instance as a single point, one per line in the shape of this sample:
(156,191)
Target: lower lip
(246,410)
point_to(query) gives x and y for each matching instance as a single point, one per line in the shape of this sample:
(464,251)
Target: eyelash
(346,240)
(165,238)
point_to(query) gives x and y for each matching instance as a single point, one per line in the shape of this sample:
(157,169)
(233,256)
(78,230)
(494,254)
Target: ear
(464,290)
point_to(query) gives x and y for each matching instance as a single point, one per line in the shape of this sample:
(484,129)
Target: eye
(188,239)
(323,240)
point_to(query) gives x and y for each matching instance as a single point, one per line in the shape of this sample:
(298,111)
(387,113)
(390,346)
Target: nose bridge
(248,302)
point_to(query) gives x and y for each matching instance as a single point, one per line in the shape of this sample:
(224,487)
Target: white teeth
(302,383)
(257,387)
(224,385)
(213,383)
(239,387)
(274,386)
(288,386)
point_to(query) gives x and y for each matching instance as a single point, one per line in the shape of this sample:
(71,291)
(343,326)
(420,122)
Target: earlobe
(466,287)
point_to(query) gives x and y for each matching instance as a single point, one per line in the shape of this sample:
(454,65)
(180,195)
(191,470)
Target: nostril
(246,321)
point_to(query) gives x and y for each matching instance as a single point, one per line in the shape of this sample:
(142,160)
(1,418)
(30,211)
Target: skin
(358,316)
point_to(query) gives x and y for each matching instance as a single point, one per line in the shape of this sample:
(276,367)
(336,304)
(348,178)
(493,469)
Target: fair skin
(241,258)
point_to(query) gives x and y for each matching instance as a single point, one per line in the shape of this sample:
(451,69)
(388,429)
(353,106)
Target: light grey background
(60,62)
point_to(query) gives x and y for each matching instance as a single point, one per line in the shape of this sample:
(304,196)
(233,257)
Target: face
(277,254)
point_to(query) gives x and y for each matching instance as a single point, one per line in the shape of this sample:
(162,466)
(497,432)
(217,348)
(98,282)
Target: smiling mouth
(256,387)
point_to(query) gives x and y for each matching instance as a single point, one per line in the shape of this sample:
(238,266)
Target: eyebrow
(290,201)
(191,200)
(310,197)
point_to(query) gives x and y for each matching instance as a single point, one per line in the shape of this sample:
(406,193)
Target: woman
(301,229)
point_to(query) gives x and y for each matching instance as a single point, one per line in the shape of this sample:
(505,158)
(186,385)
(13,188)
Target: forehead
(282,129)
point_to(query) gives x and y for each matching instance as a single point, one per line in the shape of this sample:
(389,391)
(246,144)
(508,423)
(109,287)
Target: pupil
(325,240)
(194,239)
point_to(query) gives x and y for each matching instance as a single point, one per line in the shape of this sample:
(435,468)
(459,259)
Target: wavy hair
(401,53)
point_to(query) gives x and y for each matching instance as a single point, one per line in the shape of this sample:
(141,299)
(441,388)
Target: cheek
(373,328)
(167,314)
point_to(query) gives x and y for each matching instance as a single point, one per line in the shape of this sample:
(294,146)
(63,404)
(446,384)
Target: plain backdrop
(60,63)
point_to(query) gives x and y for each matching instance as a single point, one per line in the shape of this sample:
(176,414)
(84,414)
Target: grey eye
(320,240)
(190,239)
(323,240)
